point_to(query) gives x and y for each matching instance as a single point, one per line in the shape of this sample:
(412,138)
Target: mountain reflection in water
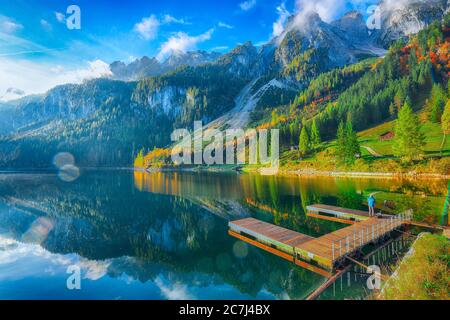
(164,235)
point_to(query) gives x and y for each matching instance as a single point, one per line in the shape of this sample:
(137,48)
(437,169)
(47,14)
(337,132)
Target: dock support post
(340,248)
(332,246)
(361,235)
(377,231)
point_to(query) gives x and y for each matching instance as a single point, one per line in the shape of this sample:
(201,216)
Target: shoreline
(309,173)
(281,172)
(386,175)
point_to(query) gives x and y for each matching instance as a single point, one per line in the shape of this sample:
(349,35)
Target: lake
(135,235)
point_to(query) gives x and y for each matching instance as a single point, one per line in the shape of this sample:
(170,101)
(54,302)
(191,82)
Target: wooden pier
(338,214)
(324,252)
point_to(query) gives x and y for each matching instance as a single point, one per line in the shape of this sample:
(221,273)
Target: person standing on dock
(371,202)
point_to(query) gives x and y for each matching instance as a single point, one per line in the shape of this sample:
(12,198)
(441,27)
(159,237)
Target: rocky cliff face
(168,100)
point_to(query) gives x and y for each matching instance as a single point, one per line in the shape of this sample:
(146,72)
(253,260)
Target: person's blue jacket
(371,201)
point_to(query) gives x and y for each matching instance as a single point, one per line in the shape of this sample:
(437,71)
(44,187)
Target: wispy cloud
(219,48)
(8,25)
(247,5)
(283,15)
(167,19)
(46,25)
(182,42)
(225,25)
(60,17)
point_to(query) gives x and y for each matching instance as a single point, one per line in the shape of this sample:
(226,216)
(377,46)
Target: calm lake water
(164,235)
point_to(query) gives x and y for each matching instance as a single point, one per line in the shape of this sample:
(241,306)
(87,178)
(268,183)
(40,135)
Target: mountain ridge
(248,79)
(150,67)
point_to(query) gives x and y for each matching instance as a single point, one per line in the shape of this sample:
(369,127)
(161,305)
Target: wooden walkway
(325,251)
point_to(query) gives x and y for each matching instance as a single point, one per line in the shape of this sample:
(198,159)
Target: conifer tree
(409,141)
(303,146)
(340,143)
(445,123)
(437,103)
(315,135)
(352,148)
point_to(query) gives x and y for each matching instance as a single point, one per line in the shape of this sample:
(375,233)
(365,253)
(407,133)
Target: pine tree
(445,123)
(315,135)
(291,133)
(409,141)
(303,146)
(352,148)
(437,103)
(399,98)
(340,143)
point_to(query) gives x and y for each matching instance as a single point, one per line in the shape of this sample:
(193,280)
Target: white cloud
(176,291)
(46,25)
(326,9)
(94,270)
(283,15)
(60,17)
(148,27)
(225,25)
(219,48)
(247,5)
(8,25)
(329,10)
(391,5)
(35,78)
(96,69)
(19,260)
(182,42)
(167,19)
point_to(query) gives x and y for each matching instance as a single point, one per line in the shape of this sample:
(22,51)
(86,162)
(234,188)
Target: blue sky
(34,35)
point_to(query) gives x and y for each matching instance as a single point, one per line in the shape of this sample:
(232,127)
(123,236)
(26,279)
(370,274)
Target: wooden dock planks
(270,234)
(324,251)
(339,214)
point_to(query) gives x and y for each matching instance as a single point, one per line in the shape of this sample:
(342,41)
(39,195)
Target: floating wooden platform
(325,251)
(338,214)
(269,234)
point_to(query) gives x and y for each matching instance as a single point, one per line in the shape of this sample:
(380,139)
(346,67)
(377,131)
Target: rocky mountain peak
(149,67)
(400,19)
